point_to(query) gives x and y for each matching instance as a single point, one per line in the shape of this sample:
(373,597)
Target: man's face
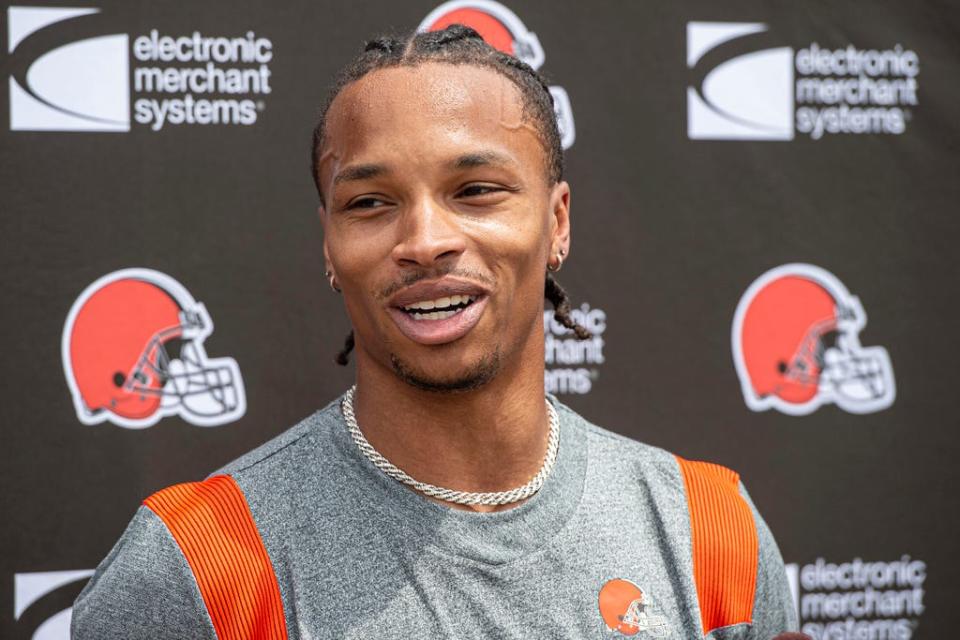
(439,222)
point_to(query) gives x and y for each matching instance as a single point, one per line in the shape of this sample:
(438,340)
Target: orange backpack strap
(214,528)
(725,547)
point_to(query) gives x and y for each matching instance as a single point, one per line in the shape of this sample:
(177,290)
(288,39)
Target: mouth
(439,308)
(438,313)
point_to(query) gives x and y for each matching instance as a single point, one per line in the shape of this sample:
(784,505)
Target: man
(444,496)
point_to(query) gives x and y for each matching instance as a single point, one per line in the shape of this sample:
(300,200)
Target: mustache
(412,277)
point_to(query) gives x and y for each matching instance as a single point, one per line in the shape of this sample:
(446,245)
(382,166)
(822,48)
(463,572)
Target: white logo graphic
(571,363)
(85,85)
(133,353)
(80,86)
(796,345)
(775,93)
(748,97)
(858,599)
(639,619)
(28,588)
(502,29)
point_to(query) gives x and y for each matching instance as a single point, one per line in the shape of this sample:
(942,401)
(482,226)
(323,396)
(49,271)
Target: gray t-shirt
(357,555)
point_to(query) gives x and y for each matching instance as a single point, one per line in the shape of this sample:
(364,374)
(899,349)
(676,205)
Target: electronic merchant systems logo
(850,600)
(67,75)
(742,89)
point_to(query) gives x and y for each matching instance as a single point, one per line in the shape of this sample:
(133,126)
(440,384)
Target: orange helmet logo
(625,608)
(796,345)
(133,353)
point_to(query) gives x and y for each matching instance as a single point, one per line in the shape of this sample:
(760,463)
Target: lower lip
(439,331)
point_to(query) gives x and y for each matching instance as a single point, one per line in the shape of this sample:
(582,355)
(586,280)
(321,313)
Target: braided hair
(460,45)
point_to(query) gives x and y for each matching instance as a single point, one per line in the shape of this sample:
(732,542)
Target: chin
(466,378)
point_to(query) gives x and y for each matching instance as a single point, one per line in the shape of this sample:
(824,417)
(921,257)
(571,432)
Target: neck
(493,438)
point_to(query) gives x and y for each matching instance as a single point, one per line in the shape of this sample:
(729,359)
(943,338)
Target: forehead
(427,108)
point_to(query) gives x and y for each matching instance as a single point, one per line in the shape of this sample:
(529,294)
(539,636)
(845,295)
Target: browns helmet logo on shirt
(796,345)
(625,608)
(133,353)
(502,29)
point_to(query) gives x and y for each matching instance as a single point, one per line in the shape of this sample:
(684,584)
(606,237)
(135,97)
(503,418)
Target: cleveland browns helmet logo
(503,30)
(796,345)
(624,607)
(133,353)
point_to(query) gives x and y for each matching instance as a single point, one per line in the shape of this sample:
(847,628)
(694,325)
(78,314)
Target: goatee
(482,372)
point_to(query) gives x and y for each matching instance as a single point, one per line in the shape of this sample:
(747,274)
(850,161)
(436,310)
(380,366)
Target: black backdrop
(677,208)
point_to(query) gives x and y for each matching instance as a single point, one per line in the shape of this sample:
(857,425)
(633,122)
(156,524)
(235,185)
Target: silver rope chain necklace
(449,495)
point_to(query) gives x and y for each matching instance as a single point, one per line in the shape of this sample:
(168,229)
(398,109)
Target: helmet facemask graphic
(856,376)
(189,382)
(638,619)
(133,353)
(796,345)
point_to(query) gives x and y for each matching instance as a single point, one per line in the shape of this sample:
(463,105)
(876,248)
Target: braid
(561,307)
(435,40)
(343,357)
(459,45)
(382,44)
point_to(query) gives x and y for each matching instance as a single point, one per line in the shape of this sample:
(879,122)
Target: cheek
(524,236)
(517,247)
(357,251)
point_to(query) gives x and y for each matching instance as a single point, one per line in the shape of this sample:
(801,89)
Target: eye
(367,202)
(474,190)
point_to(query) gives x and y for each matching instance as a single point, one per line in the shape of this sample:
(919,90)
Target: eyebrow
(360,172)
(466,161)
(480,159)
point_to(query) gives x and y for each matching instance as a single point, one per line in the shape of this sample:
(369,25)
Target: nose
(428,234)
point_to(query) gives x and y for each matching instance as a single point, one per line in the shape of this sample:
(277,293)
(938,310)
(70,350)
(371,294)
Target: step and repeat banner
(765,249)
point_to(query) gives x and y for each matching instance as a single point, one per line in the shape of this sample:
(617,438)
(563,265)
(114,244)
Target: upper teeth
(440,303)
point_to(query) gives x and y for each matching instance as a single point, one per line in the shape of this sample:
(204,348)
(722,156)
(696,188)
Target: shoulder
(707,493)
(653,464)
(173,571)
(615,457)
(282,448)
(609,443)
(274,472)
(144,588)
(214,529)
(289,479)
(736,566)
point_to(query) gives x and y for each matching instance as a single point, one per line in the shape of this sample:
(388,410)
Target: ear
(560,219)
